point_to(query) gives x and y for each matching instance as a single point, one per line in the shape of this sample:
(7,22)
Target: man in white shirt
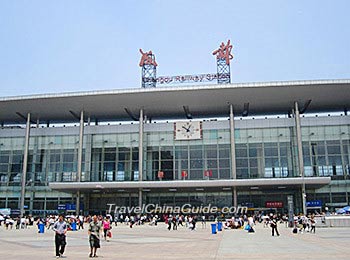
(60,228)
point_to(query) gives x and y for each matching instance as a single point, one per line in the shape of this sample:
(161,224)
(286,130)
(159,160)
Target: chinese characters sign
(224,52)
(147,58)
(274,204)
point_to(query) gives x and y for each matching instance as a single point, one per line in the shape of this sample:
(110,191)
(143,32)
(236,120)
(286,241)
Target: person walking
(169,219)
(81,222)
(273,225)
(94,231)
(204,225)
(251,224)
(106,228)
(175,221)
(313,225)
(60,228)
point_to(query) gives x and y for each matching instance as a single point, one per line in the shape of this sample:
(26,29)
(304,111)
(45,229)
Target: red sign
(160,174)
(147,58)
(184,174)
(224,52)
(273,204)
(208,173)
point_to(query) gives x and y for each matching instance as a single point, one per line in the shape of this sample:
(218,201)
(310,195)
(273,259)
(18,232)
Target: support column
(300,156)
(140,198)
(140,154)
(25,165)
(80,159)
(233,154)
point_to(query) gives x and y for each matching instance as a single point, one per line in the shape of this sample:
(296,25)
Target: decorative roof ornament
(224,52)
(147,58)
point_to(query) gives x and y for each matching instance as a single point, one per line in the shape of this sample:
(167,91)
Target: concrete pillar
(140,198)
(300,156)
(233,154)
(25,165)
(80,158)
(140,154)
(141,145)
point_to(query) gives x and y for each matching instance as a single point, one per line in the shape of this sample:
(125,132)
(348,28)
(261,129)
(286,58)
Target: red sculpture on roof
(224,52)
(147,58)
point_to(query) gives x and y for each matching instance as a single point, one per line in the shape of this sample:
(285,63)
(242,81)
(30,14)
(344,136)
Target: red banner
(273,204)
(208,173)
(160,174)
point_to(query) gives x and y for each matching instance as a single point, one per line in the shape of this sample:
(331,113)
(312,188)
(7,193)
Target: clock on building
(188,130)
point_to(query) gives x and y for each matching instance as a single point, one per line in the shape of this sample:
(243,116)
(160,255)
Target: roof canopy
(176,102)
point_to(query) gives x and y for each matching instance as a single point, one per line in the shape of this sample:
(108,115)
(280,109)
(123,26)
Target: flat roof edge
(176,88)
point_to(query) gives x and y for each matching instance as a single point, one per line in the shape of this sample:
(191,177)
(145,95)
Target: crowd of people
(100,226)
(300,223)
(16,222)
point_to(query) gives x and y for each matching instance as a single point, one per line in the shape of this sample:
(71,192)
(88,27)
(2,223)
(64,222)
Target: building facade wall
(265,148)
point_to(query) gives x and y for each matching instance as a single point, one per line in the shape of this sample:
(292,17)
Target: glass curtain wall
(326,151)
(208,158)
(260,153)
(265,153)
(11,161)
(52,158)
(114,157)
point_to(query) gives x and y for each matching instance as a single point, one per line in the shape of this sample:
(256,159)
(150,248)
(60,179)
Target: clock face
(188,130)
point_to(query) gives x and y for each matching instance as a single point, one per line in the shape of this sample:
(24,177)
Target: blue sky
(64,46)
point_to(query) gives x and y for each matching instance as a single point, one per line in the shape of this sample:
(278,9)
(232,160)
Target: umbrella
(340,211)
(347,208)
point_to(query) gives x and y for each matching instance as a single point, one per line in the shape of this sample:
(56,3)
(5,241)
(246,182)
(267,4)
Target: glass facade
(264,148)
(11,161)
(326,151)
(266,153)
(188,160)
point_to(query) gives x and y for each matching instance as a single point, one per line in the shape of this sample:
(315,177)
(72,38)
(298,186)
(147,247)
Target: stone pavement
(156,242)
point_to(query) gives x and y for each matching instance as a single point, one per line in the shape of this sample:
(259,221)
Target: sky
(85,45)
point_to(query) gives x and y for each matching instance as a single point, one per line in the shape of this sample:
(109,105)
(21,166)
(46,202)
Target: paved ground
(146,242)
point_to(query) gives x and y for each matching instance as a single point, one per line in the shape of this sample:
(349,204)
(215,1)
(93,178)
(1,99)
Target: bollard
(41,227)
(219,226)
(213,228)
(74,226)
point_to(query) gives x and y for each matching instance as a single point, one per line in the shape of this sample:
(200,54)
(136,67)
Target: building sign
(71,206)
(247,204)
(224,52)
(190,78)
(147,58)
(290,210)
(15,212)
(274,204)
(61,207)
(314,203)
